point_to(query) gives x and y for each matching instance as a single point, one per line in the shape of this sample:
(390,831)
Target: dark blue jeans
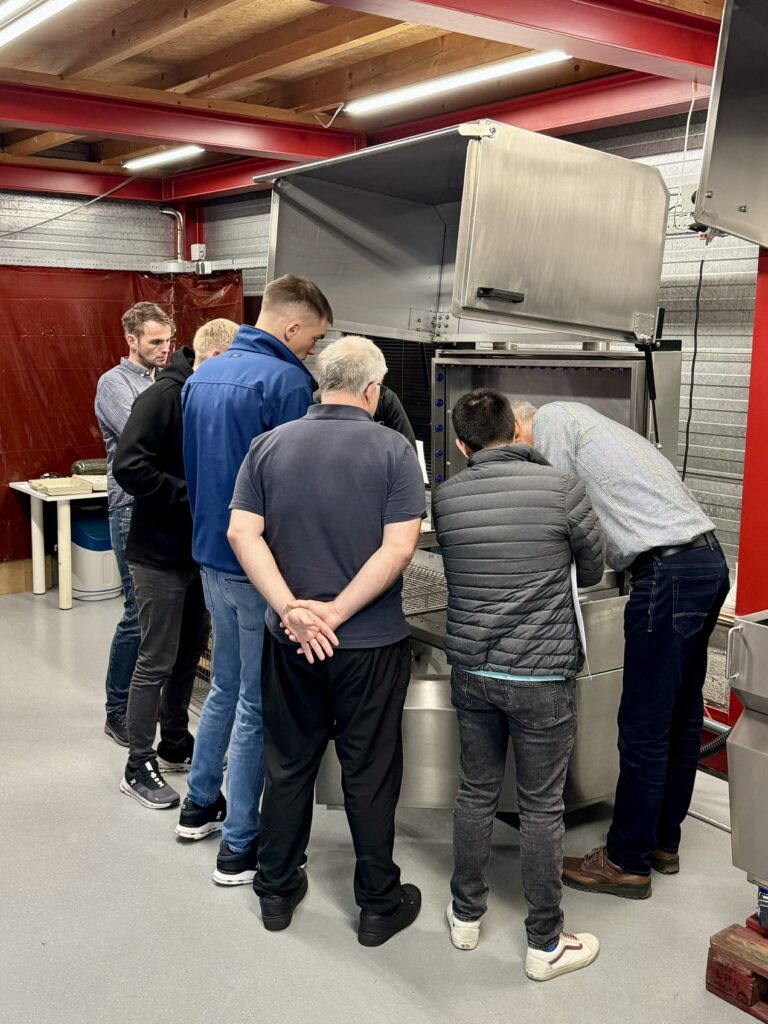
(125,643)
(670,615)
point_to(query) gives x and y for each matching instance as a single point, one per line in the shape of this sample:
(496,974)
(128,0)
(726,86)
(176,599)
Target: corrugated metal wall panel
(238,229)
(109,235)
(726,312)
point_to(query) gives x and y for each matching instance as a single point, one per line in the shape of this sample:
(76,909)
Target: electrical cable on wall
(74,209)
(679,201)
(697,314)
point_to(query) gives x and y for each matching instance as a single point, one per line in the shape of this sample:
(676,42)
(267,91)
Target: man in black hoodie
(149,465)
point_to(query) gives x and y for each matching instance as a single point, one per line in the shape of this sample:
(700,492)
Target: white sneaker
(464,934)
(571,954)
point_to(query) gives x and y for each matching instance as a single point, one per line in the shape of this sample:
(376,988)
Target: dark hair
(290,290)
(142,313)
(482,418)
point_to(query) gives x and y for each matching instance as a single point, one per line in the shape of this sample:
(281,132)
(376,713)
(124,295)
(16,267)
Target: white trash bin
(95,576)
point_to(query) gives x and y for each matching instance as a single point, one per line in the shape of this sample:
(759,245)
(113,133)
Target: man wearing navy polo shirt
(261,382)
(326,516)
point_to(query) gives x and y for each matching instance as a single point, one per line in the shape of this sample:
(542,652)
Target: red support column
(194,226)
(752,589)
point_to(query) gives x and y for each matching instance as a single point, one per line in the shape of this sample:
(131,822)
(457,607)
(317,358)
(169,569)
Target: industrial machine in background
(534,264)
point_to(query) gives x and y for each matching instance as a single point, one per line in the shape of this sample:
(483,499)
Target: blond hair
(216,335)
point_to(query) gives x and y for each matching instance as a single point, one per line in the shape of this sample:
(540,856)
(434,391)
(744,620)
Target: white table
(64,530)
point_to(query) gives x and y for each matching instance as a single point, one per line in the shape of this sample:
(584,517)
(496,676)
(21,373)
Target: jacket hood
(181,365)
(508,453)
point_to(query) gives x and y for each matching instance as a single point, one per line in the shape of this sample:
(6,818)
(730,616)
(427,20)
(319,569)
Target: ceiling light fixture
(29,20)
(488,73)
(168,156)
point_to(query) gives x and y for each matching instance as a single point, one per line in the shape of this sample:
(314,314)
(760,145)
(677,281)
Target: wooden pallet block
(737,969)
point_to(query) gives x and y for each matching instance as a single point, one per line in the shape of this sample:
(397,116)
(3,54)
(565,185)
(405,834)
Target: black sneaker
(176,757)
(277,911)
(375,929)
(116,726)
(197,821)
(236,868)
(148,786)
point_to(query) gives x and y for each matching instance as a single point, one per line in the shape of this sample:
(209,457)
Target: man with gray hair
(654,528)
(326,515)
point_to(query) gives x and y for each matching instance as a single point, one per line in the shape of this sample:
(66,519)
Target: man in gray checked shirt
(148,333)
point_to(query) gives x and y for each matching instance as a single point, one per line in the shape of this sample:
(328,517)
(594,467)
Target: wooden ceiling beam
(143,26)
(317,36)
(419,63)
(25,143)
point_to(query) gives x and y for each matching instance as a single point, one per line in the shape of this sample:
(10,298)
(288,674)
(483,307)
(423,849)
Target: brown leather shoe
(595,873)
(665,863)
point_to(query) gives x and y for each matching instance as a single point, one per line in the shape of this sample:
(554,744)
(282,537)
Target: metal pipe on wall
(169,211)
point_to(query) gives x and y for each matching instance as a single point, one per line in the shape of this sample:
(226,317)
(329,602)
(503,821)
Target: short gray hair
(349,365)
(523,411)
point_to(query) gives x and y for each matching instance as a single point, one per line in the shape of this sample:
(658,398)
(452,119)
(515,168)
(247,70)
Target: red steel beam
(228,180)
(598,103)
(632,34)
(35,106)
(15,178)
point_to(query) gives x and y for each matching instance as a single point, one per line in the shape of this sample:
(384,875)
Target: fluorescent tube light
(170,156)
(31,19)
(472,76)
(11,7)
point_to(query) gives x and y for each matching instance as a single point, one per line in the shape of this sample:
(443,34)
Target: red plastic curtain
(59,331)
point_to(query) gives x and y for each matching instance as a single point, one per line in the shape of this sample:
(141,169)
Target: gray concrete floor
(107,918)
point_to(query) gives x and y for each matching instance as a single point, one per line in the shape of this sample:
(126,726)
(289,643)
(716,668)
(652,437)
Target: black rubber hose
(714,745)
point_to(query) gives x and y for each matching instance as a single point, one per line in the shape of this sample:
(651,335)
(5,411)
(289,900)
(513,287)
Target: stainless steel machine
(747,671)
(535,264)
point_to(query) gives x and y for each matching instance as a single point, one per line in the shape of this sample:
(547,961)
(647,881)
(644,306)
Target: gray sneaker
(148,786)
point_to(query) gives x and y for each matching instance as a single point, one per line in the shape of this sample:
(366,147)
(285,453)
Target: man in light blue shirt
(654,528)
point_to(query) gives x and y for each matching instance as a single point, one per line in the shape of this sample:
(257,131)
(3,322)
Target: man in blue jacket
(260,383)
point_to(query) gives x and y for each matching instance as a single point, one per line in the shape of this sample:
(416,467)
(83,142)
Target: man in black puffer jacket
(149,464)
(510,526)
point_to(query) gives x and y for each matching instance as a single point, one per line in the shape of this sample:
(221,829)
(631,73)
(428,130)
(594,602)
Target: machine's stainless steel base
(431,748)
(430,731)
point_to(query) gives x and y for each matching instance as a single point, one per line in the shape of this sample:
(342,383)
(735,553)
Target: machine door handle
(500,294)
(732,632)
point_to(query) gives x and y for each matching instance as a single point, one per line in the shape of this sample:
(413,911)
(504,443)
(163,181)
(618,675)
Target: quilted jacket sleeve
(586,534)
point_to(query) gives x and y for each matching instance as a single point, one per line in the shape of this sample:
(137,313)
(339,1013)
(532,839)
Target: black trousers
(356,697)
(174,633)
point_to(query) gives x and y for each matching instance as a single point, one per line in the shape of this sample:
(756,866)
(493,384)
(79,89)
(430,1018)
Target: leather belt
(703,540)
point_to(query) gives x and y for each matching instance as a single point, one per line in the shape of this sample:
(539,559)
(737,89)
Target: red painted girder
(16,178)
(598,103)
(752,585)
(219,181)
(630,34)
(34,106)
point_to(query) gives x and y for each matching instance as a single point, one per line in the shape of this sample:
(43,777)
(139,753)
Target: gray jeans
(174,632)
(540,718)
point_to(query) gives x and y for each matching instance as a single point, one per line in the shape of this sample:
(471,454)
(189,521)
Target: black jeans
(670,615)
(174,633)
(356,697)
(540,718)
